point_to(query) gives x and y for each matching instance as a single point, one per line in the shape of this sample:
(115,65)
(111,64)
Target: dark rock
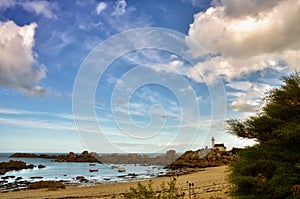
(70,157)
(18,178)
(81,179)
(85,156)
(30,166)
(36,177)
(13,165)
(4,177)
(23,155)
(40,166)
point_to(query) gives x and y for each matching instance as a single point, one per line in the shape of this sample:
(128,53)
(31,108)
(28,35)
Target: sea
(68,171)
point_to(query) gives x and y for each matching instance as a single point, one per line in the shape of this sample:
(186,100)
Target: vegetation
(271,168)
(169,191)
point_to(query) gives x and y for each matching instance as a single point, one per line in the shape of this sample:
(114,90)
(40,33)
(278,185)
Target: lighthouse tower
(212,142)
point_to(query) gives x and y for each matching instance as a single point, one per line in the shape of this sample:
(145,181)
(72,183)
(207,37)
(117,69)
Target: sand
(209,183)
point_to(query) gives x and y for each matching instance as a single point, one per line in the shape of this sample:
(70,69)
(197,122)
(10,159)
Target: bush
(166,191)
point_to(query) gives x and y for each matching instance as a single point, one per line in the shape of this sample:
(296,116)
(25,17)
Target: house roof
(219,145)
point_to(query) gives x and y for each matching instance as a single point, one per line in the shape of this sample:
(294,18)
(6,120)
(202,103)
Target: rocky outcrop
(13,165)
(85,156)
(134,158)
(201,159)
(32,155)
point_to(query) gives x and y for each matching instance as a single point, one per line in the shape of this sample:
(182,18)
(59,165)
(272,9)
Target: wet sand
(209,183)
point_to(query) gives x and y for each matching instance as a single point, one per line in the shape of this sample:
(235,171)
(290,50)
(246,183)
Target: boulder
(41,166)
(81,179)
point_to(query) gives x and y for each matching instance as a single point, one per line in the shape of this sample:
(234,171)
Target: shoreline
(209,183)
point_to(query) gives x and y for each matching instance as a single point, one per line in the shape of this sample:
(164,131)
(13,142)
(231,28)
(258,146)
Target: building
(220,147)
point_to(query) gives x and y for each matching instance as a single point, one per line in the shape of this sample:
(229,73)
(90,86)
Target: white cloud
(37,123)
(248,36)
(249,96)
(100,7)
(172,67)
(120,7)
(7,3)
(18,68)
(238,8)
(44,8)
(244,105)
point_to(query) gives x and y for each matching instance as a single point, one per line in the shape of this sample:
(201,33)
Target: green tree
(270,168)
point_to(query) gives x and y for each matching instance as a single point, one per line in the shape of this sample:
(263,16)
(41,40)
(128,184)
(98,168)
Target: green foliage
(270,168)
(142,191)
(169,191)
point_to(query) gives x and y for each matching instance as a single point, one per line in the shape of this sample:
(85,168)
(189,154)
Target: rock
(30,166)
(81,179)
(46,184)
(23,155)
(13,165)
(18,178)
(41,166)
(70,157)
(134,158)
(36,177)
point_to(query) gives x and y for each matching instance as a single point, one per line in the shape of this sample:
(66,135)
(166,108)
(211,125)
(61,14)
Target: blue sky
(146,100)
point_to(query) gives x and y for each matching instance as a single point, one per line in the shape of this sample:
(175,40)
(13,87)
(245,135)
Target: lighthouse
(212,142)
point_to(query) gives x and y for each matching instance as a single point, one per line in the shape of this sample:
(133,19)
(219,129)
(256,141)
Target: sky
(138,76)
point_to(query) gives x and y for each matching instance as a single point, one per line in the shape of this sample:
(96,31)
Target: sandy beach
(209,183)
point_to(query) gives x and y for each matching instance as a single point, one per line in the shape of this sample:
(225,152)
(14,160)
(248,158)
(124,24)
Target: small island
(85,156)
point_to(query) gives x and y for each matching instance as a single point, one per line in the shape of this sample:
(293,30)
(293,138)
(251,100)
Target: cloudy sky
(179,70)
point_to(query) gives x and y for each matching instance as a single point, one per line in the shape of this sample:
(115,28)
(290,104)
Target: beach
(208,183)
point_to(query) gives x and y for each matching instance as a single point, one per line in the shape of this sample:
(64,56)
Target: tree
(272,167)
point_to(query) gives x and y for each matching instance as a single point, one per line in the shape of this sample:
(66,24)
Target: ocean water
(69,170)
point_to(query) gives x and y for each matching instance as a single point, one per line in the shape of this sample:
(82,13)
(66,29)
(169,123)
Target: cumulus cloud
(100,7)
(120,8)
(248,36)
(18,68)
(238,8)
(244,105)
(247,95)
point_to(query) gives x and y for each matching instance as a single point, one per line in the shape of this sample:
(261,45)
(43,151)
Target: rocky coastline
(115,158)
(204,158)
(189,162)
(141,159)
(85,156)
(16,165)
